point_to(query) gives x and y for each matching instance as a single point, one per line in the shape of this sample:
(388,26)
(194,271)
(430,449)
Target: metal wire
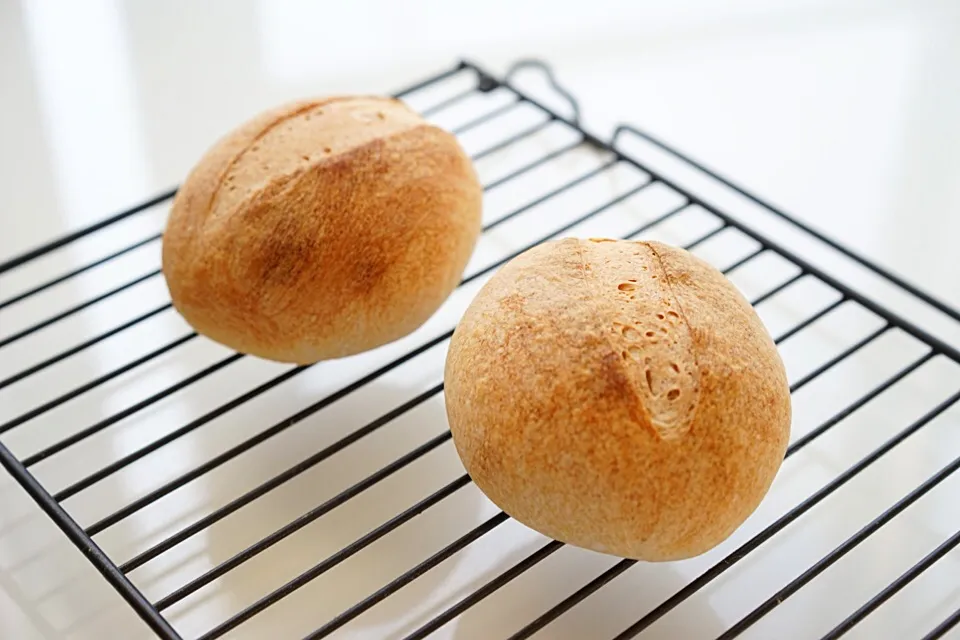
(83,434)
(873,266)
(96,382)
(71,274)
(63,241)
(43,324)
(783,251)
(843,296)
(63,355)
(788,518)
(822,565)
(87,547)
(894,587)
(942,629)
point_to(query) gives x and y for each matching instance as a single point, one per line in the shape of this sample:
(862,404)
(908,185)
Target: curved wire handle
(546,70)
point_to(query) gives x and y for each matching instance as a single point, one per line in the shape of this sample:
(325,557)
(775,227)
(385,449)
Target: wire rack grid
(225,496)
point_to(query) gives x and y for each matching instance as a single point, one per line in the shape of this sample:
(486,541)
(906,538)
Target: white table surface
(845,113)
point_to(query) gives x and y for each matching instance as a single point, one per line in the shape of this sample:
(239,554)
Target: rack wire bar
(83,434)
(43,324)
(843,355)
(447,552)
(745,259)
(547,196)
(449,102)
(310,516)
(87,547)
(894,587)
(942,629)
(786,284)
(87,267)
(108,470)
(841,297)
(824,563)
(757,540)
(63,241)
(489,588)
(738,555)
(488,116)
(63,355)
(869,264)
(840,416)
(96,382)
(512,140)
(783,337)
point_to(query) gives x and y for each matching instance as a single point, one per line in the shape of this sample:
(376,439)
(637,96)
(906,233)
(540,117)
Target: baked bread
(618,396)
(321,229)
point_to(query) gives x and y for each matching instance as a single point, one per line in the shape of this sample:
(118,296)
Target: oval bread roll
(618,396)
(321,229)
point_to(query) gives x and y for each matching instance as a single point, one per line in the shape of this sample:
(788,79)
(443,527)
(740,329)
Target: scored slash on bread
(619,396)
(321,229)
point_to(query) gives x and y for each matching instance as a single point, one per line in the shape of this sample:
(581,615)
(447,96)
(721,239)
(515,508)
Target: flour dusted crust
(321,229)
(619,396)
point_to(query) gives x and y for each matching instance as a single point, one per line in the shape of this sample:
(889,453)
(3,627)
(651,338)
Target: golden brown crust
(322,229)
(575,421)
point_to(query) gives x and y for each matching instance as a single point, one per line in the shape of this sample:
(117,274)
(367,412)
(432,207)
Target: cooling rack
(221,495)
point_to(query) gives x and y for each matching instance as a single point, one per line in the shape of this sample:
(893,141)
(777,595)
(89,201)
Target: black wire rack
(874,451)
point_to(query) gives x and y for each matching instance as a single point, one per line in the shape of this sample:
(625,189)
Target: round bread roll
(618,396)
(322,229)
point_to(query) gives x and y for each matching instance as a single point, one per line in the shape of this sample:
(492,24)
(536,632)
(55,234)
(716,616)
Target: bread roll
(321,229)
(618,396)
